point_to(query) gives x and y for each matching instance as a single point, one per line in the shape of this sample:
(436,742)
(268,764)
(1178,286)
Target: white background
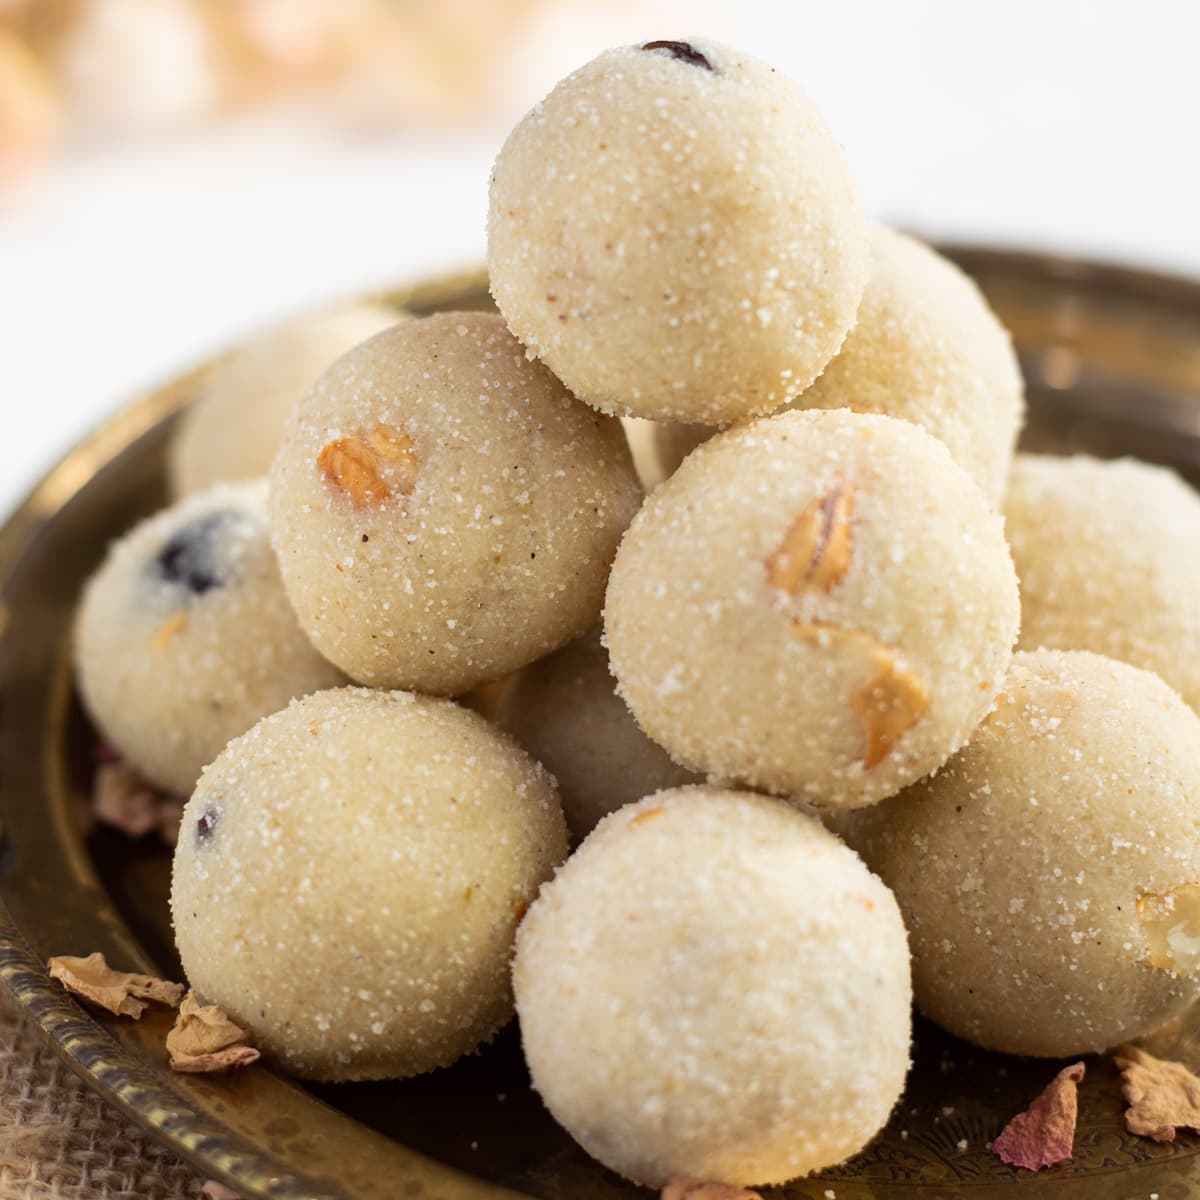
(1062,125)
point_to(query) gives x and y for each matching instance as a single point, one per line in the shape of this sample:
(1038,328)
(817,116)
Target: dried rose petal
(1044,1134)
(695,1189)
(102,752)
(123,799)
(221,1060)
(204,1039)
(119,992)
(1162,1096)
(212,1190)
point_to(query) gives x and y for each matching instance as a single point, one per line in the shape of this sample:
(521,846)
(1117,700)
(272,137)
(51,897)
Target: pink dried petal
(1044,1134)
(123,799)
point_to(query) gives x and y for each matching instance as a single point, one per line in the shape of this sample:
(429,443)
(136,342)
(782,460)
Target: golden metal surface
(1113,362)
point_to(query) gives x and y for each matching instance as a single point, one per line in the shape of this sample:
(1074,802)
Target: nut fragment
(890,703)
(817,549)
(120,992)
(1171,923)
(169,629)
(1162,1096)
(371,469)
(648,814)
(203,1039)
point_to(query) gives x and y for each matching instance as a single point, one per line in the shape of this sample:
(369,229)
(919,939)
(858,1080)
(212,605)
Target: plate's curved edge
(104,1065)
(63,478)
(437,292)
(1110,274)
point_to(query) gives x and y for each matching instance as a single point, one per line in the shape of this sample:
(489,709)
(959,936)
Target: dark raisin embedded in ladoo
(684,51)
(189,557)
(206,822)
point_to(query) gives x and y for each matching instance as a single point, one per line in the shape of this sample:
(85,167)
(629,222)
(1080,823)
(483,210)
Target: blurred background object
(175,174)
(124,69)
(29,110)
(114,71)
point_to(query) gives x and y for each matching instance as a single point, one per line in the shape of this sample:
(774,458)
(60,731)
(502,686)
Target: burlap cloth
(61,1141)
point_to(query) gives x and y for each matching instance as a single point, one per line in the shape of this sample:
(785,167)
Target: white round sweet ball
(564,709)
(714,986)
(185,637)
(1106,555)
(674,232)
(349,878)
(233,427)
(445,512)
(130,69)
(817,604)
(1049,874)
(926,348)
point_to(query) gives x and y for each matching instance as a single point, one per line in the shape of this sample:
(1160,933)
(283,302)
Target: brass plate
(1113,362)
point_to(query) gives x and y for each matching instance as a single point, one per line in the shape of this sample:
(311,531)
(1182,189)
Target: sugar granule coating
(444,510)
(184,636)
(1036,869)
(818,604)
(715,987)
(232,428)
(349,878)
(1106,555)
(926,348)
(565,711)
(675,241)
